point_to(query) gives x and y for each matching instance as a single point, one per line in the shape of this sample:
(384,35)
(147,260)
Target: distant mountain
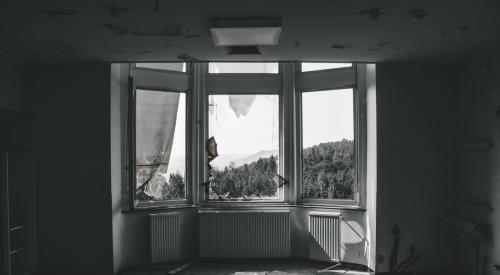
(241,159)
(177,163)
(224,159)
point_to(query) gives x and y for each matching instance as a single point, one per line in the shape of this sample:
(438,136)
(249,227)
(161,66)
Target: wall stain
(373,13)
(65,48)
(379,46)
(166,31)
(59,12)
(416,13)
(297,45)
(143,52)
(186,57)
(117,28)
(115,10)
(157,5)
(444,33)
(463,28)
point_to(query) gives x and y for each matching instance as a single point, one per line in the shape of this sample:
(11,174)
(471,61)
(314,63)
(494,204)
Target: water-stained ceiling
(167,30)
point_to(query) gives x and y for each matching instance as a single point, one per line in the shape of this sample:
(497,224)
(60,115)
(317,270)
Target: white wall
(416,118)
(72,104)
(72,132)
(478,173)
(130,230)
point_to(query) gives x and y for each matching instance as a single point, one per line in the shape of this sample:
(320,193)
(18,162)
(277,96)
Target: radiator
(165,237)
(324,236)
(246,234)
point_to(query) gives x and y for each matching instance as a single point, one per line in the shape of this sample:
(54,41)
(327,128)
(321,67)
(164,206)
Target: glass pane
(160,145)
(328,144)
(242,68)
(246,130)
(312,66)
(178,67)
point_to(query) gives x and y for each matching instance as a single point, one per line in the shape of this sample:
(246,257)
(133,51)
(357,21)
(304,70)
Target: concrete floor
(234,267)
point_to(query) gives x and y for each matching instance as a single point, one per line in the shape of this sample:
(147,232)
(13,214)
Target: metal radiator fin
(324,236)
(165,236)
(244,234)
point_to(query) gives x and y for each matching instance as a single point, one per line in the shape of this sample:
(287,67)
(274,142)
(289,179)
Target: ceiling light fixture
(246,32)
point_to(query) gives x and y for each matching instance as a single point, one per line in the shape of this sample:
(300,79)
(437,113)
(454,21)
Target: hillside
(328,173)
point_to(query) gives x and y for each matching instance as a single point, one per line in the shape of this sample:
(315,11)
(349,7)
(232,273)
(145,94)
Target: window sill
(151,208)
(331,206)
(217,205)
(222,206)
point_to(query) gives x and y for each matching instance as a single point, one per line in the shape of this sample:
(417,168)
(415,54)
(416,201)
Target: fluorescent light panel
(246,32)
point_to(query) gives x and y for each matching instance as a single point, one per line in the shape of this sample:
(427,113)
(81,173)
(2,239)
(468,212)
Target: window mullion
(199,128)
(289,122)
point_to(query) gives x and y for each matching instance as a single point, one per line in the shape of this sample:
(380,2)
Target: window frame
(248,73)
(161,81)
(241,84)
(344,81)
(288,84)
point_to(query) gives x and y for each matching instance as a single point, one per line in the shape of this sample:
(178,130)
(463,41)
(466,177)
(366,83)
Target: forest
(328,173)
(328,170)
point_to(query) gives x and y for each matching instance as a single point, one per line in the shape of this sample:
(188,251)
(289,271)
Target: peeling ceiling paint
(115,10)
(186,57)
(379,46)
(339,46)
(373,13)
(325,30)
(416,13)
(116,28)
(165,31)
(65,49)
(59,12)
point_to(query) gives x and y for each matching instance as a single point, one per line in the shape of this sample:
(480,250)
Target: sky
(179,143)
(238,133)
(247,124)
(327,116)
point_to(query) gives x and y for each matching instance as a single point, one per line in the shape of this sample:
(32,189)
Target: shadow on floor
(235,267)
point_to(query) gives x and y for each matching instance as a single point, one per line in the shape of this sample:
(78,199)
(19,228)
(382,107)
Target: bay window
(248,133)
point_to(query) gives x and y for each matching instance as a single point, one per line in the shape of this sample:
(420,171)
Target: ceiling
(313,30)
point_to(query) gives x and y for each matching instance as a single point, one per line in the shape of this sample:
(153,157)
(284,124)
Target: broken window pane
(172,66)
(160,145)
(246,130)
(319,66)
(243,67)
(328,160)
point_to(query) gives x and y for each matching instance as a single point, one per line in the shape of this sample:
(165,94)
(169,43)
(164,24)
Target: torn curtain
(156,116)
